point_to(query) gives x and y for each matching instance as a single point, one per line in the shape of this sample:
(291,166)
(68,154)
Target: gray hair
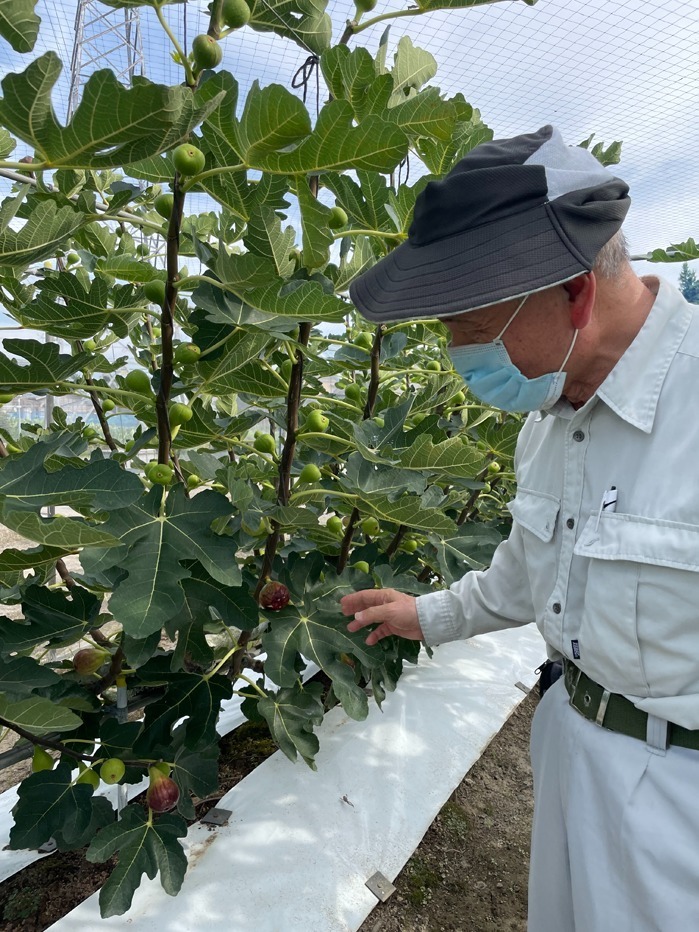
(613,257)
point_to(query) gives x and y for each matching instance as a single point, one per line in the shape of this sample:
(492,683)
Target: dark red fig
(163,793)
(274,595)
(89,660)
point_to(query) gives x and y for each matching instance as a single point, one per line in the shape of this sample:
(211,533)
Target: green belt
(615,712)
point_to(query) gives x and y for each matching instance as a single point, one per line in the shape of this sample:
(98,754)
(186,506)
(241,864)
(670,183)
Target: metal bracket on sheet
(48,847)
(217,816)
(520,685)
(380,886)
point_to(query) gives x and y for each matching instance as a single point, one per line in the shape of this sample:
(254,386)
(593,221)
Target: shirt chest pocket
(640,615)
(537,514)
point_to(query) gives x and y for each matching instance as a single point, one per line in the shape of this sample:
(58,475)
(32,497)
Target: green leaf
(452,458)
(361,259)
(365,202)
(7,143)
(472,545)
(336,144)
(244,270)
(298,300)
(154,548)
(47,365)
(440,156)
(322,637)
(677,252)
(38,716)
(264,237)
(303,21)
(16,561)
(291,715)
(19,676)
(51,616)
(49,803)
(66,308)
(127,269)
(234,604)
(57,531)
(111,127)
(317,236)
(350,74)
(47,228)
(408,510)
(188,696)
(19,24)
(425,114)
(412,68)
(272,119)
(144,848)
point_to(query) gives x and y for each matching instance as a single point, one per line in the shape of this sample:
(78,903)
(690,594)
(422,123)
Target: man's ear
(581,298)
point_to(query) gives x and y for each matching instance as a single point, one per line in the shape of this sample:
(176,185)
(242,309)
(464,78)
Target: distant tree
(689,284)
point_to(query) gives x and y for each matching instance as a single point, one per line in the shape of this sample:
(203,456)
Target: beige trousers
(615,840)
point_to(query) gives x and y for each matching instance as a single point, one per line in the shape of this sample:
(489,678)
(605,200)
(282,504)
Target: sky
(621,69)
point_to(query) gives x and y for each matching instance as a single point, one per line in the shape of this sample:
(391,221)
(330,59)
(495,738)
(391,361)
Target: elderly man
(519,252)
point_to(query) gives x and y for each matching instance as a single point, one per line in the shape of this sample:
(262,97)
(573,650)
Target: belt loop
(599,718)
(657,735)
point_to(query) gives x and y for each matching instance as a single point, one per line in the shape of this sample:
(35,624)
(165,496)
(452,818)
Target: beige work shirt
(618,592)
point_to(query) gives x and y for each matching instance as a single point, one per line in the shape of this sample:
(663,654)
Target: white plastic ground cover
(13,861)
(299,846)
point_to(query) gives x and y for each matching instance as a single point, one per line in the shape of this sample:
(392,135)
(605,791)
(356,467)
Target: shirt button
(556,608)
(579,435)
(570,523)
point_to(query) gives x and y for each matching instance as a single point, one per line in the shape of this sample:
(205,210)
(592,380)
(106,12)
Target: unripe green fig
(493,467)
(163,793)
(353,392)
(180,413)
(90,777)
(206,52)
(364,340)
(164,204)
(108,404)
(186,353)
(379,421)
(265,443)
(163,767)
(72,258)
(334,524)
(285,369)
(128,445)
(90,433)
(142,250)
(371,526)
(365,6)
(361,565)
(41,760)
(88,660)
(337,218)
(309,473)
(193,481)
(409,545)
(154,290)
(90,346)
(156,331)
(317,422)
(433,366)
(188,160)
(137,381)
(458,399)
(160,474)
(235,13)
(112,770)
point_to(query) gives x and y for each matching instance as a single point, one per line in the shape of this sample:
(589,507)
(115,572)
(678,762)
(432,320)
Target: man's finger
(368,616)
(365,598)
(383,631)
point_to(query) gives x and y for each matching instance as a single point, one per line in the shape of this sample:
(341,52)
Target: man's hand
(394,612)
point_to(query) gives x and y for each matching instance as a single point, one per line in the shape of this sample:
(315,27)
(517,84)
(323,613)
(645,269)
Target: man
(519,252)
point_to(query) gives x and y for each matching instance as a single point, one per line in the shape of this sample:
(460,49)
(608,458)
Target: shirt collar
(633,387)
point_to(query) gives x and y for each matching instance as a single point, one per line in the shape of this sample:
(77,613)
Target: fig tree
(154,290)
(186,353)
(265,444)
(162,793)
(41,760)
(112,770)
(309,473)
(337,218)
(206,52)
(317,422)
(164,204)
(188,160)
(137,381)
(89,660)
(180,413)
(235,13)
(274,596)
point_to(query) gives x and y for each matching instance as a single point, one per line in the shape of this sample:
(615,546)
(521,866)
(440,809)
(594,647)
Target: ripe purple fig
(274,595)
(89,660)
(163,793)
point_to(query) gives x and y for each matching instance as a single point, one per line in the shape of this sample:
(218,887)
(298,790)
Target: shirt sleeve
(481,601)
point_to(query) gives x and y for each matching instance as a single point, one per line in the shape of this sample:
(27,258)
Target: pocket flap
(535,511)
(640,540)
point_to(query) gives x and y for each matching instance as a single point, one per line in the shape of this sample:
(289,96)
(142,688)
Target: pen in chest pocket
(608,503)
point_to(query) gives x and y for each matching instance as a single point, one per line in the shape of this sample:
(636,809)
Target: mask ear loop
(570,350)
(519,308)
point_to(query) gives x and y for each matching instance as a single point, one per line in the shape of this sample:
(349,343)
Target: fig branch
(44,742)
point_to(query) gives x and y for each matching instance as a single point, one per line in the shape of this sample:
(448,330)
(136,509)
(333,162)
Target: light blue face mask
(492,376)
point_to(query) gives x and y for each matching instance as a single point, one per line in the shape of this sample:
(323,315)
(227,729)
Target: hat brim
(482,266)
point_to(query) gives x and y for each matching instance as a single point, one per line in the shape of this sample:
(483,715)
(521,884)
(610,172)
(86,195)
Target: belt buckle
(573,675)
